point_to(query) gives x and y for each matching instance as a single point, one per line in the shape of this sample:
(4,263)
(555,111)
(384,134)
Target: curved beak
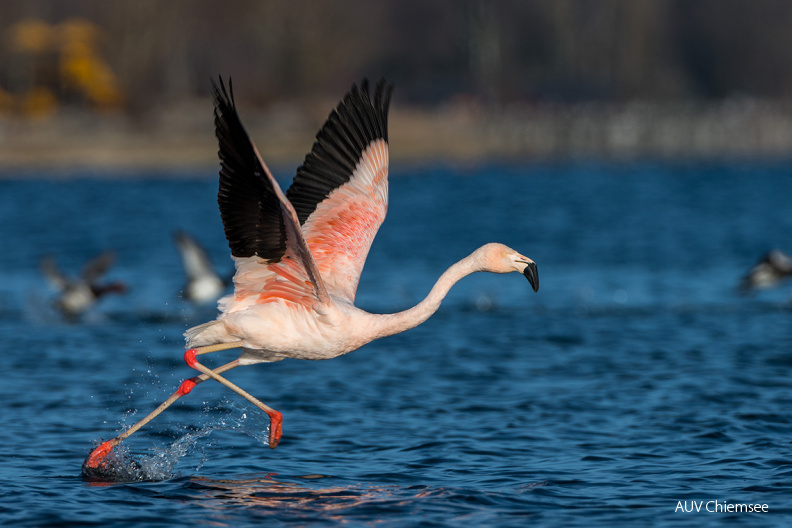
(532,275)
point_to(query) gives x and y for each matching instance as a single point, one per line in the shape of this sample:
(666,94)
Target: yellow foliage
(81,68)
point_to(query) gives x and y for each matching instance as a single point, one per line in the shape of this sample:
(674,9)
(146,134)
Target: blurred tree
(732,47)
(486,50)
(52,63)
(83,72)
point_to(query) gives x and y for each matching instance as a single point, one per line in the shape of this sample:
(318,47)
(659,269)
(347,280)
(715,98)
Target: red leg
(99,455)
(276,418)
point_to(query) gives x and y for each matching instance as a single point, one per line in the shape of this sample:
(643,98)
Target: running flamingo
(299,255)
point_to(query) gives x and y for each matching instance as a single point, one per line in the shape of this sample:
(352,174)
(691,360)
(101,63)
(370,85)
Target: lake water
(636,379)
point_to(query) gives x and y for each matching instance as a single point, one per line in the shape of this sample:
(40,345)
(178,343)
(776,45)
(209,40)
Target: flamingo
(772,268)
(299,254)
(204,285)
(77,295)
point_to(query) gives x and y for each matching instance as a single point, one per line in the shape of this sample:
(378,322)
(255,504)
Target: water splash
(122,466)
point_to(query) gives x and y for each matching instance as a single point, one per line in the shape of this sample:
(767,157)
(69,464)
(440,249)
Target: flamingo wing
(261,226)
(340,192)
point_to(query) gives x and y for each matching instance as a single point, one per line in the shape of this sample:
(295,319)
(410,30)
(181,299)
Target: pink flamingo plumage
(299,255)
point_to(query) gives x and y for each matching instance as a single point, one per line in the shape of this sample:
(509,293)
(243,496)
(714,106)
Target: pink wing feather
(261,225)
(340,191)
(340,231)
(314,239)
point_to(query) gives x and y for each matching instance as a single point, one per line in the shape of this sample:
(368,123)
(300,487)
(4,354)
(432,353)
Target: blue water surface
(635,380)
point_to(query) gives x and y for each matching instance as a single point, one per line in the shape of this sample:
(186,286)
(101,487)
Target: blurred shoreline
(463,132)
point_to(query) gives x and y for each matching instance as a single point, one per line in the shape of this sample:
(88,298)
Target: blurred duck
(771,269)
(77,295)
(204,285)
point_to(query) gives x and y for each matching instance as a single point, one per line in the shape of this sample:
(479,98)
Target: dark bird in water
(768,272)
(203,285)
(77,295)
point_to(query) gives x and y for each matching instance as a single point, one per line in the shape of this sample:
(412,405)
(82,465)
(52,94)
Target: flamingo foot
(276,421)
(97,465)
(105,465)
(98,455)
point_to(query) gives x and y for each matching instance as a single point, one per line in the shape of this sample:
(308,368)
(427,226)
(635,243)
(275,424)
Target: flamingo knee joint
(189,357)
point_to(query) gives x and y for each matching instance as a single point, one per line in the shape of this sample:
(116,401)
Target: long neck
(390,324)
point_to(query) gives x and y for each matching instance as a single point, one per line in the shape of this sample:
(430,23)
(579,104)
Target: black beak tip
(532,275)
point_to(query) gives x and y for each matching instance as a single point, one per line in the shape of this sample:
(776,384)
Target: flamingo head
(498,258)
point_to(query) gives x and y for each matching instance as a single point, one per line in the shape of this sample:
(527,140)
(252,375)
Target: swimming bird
(203,285)
(772,268)
(299,254)
(78,294)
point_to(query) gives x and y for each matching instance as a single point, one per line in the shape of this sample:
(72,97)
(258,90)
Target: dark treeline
(497,52)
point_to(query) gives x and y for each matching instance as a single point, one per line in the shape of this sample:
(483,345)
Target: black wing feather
(347,133)
(249,207)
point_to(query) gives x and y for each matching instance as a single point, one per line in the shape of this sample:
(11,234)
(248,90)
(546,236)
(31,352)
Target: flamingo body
(299,255)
